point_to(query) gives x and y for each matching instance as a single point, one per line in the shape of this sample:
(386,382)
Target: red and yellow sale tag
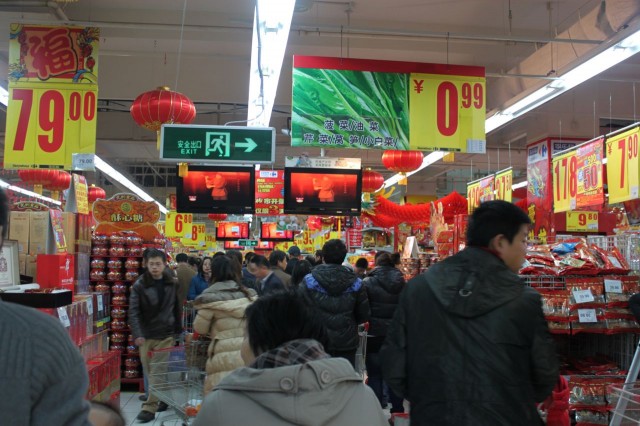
(195,235)
(504,185)
(446,112)
(565,181)
(46,125)
(590,190)
(177,224)
(582,221)
(81,193)
(473,196)
(623,176)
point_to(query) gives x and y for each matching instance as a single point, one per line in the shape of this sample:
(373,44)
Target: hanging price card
(504,185)
(590,186)
(195,236)
(583,296)
(622,166)
(565,183)
(582,221)
(587,315)
(177,224)
(613,286)
(473,196)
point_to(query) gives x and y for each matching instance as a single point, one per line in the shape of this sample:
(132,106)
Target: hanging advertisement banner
(539,190)
(269,193)
(323,162)
(622,166)
(372,104)
(53,95)
(487,189)
(590,185)
(503,184)
(473,196)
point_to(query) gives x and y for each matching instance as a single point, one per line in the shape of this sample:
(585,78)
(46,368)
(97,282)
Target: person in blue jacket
(201,281)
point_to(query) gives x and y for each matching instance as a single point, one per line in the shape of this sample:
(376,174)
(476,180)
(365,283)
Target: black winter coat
(469,345)
(341,303)
(383,286)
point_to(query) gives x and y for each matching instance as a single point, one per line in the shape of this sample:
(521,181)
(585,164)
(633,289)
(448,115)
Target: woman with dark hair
(384,284)
(302,268)
(289,378)
(201,281)
(220,316)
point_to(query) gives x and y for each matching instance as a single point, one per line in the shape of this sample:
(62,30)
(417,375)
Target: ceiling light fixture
(426,162)
(8,186)
(4,96)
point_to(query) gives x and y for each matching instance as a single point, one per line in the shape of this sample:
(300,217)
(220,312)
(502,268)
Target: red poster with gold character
(127,212)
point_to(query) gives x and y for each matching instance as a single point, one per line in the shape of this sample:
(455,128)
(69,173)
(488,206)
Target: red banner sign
(269,192)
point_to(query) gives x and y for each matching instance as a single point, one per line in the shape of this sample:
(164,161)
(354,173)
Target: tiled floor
(130,406)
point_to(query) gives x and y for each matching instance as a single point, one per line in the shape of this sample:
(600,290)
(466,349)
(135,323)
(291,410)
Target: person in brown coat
(185,274)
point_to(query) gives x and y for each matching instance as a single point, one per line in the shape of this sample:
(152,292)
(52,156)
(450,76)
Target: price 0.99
(447,104)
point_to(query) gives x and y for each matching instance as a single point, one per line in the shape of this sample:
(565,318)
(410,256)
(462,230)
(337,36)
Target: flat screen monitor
(319,191)
(232,231)
(269,232)
(216,189)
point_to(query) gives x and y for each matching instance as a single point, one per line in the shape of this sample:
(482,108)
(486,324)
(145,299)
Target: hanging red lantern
(37,177)
(216,217)
(60,182)
(402,162)
(95,193)
(371,181)
(162,106)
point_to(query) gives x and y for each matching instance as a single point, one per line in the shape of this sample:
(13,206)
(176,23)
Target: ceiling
(521,43)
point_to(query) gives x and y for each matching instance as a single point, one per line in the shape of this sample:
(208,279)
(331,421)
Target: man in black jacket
(340,299)
(469,344)
(154,318)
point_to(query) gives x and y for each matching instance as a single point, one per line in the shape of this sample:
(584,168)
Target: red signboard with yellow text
(127,212)
(269,192)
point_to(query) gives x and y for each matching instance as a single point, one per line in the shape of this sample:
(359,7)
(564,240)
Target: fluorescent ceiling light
(426,161)
(4,96)
(519,185)
(271,25)
(113,174)
(14,188)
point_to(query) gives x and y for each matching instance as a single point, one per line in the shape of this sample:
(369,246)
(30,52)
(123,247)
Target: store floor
(130,406)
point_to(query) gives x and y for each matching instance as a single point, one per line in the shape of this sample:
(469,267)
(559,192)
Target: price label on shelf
(582,221)
(613,286)
(90,306)
(623,177)
(614,261)
(583,296)
(565,181)
(63,317)
(587,316)
(99,302)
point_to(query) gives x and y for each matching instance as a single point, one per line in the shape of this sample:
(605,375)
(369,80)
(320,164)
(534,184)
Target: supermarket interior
(199,126)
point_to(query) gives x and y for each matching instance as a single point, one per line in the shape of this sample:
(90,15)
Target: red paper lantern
(60,182)
(216,217)
(162,106)
(371,181)
(402,161)
(95,193)
(37,177)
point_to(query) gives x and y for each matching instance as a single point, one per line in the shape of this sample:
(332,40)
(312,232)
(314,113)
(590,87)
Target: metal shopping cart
(361,352)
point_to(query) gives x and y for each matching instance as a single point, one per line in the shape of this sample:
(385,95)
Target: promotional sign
(539,190)
(473,196)
(269,192)
(372,104)
(52,95)
(195,235)
(323,162)
(582,221)
(622,166)
(503,184)
(228,144)
(78,199)
(590,190)
(127,212)
(565,181)
(487,189)
(58,233)
(177,224)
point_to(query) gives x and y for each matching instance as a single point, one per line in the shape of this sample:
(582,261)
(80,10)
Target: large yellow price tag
(46,124)
(195,236)
(177,224)
(473,196)
(446,112)
(565,183)
(622,166)
(582,221)
(504,185)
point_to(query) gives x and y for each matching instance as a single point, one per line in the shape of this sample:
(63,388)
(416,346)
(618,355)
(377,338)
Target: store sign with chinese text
(623,178)
(127,212)
(53,95)
(269,192)
(323,162)
(372,104)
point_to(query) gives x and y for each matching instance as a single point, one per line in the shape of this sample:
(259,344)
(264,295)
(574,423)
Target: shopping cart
(176,381)
(361,352)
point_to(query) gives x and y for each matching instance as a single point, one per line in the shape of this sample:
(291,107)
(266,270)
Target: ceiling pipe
(24,6)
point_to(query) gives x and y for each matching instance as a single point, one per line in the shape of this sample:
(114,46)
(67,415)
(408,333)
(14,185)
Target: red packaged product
(586,292)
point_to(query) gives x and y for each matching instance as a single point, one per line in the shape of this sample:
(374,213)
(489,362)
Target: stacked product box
(104,378)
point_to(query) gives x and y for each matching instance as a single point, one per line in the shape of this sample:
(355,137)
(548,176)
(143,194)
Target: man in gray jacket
(154,318)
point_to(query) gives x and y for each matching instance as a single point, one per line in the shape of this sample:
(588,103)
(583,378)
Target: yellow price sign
(582,221)
(47,124)
(565,182)
(195,235)
(81,193)
(622,166)
(177,224)
(473,196)
(504,185)
(456,103)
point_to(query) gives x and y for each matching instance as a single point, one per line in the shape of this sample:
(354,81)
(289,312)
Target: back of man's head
(494,218)
(334,251)
(234,254)
(248,256)
(260,261)
(362,263)
(182,257)
(277,256)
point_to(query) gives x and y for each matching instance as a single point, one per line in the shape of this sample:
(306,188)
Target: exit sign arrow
(249,145)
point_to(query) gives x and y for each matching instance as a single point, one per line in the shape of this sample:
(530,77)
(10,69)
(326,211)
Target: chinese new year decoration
(95,193)
(162,106)
(217,217)
(402,162)
(61,181)
(37,177)
(371,182)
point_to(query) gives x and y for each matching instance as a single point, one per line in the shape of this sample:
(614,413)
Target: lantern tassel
(37,188)
(55,195)
(183,169)
(403,179)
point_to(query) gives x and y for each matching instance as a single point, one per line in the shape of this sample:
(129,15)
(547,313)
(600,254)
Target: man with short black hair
(185,274)
(469,344)
(278,261)
(340,300)
(294,257)
(266,280)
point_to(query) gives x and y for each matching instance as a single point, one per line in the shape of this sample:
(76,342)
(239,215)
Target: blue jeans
(375,382)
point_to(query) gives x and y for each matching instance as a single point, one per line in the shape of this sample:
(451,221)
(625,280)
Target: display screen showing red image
(270,232)
(322,191)
(215,189)
(230,231)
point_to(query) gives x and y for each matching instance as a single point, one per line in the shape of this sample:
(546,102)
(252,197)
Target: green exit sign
(248,243)
(228,144)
